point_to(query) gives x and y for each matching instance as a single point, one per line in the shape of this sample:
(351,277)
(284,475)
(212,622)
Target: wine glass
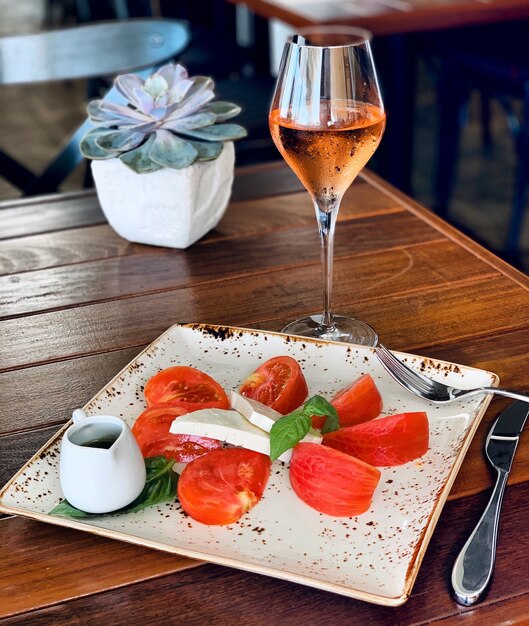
(327,119)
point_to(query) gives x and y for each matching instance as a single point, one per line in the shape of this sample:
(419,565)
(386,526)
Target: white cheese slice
(257,413)
(312,436)
(263,416)
(228,426)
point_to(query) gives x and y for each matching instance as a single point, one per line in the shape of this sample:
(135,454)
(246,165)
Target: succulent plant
(169,121)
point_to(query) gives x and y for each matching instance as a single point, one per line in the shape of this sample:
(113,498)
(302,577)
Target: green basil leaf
(156,491)
(317,405)
(156,466)
(65,509)
(331,423)
(160,486)
(287,432)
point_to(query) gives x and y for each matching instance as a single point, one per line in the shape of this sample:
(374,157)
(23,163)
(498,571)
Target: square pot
(172,208)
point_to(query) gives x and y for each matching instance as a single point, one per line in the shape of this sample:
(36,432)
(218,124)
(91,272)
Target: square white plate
(373,557)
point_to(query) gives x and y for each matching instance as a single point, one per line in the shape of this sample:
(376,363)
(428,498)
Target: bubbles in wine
(327,158)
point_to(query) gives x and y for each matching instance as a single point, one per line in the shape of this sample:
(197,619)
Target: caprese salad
(333,448)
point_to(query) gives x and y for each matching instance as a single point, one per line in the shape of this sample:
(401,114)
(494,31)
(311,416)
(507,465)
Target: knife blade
(473,567)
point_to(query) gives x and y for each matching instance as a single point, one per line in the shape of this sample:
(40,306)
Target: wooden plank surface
(78,303)
(31,216)
(152,270)
(215,595)
(29,251)
(248,300)
(117,563)
(52,391)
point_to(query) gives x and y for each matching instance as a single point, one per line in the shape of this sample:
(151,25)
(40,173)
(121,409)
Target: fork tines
(401,372)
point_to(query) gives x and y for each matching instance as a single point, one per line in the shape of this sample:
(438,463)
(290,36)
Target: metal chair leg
(485,120)
(522,180)
(453,97)
(15,172)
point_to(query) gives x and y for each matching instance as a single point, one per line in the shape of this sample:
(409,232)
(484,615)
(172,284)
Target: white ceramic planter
(172,208)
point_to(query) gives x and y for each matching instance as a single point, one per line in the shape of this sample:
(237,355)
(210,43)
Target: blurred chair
(253,95)
(231,44)
(81,52)
(93,10)
(495,61)
(60,12)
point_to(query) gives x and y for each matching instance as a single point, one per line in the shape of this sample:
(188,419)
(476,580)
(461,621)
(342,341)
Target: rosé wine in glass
(327,119)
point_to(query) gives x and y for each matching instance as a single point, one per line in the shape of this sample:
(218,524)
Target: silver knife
(473,567)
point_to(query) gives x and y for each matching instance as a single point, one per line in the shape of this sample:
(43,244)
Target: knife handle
(473,567)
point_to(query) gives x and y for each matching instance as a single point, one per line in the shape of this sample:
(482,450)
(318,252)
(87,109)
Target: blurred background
(463,148)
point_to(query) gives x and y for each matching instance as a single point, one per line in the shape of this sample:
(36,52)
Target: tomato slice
(219,487)
(151,430)
(359,402)
(279,383)
(387,441)
(187,387)
(330,481)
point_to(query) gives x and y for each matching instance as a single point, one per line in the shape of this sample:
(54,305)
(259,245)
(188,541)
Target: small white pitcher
(101,466)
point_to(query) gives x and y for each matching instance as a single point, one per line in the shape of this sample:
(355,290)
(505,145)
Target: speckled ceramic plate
(373,557)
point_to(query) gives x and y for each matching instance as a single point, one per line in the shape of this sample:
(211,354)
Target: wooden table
(78,303)
(390,17)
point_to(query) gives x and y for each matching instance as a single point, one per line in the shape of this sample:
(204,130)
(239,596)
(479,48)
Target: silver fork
(429,389)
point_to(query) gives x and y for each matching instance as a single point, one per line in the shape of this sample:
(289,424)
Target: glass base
(344,329)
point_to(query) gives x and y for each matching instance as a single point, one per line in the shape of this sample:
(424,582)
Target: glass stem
(326,224)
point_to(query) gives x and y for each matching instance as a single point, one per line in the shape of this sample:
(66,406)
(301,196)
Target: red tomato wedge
(279,383)
(330,481)
(359,402)
(387,441)
(186,387)
(151,430)
(219,487)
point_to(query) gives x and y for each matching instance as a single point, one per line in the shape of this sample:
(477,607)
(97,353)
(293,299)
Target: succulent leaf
(197,120)
(169,150)
(201,83)
(178,92)
(146,128)
(144,101)
(190,104)
(130,86)
(223,110)
(169,121)
(89,147)
(156,86)
(218,132)
(119,140)
(139,160)
(94,113)
(178,83)
(172,74)
(207,150)
(115,114)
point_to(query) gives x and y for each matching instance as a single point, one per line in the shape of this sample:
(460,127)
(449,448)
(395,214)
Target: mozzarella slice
(228,426)
(257,413)
(313,436)
(263,416)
